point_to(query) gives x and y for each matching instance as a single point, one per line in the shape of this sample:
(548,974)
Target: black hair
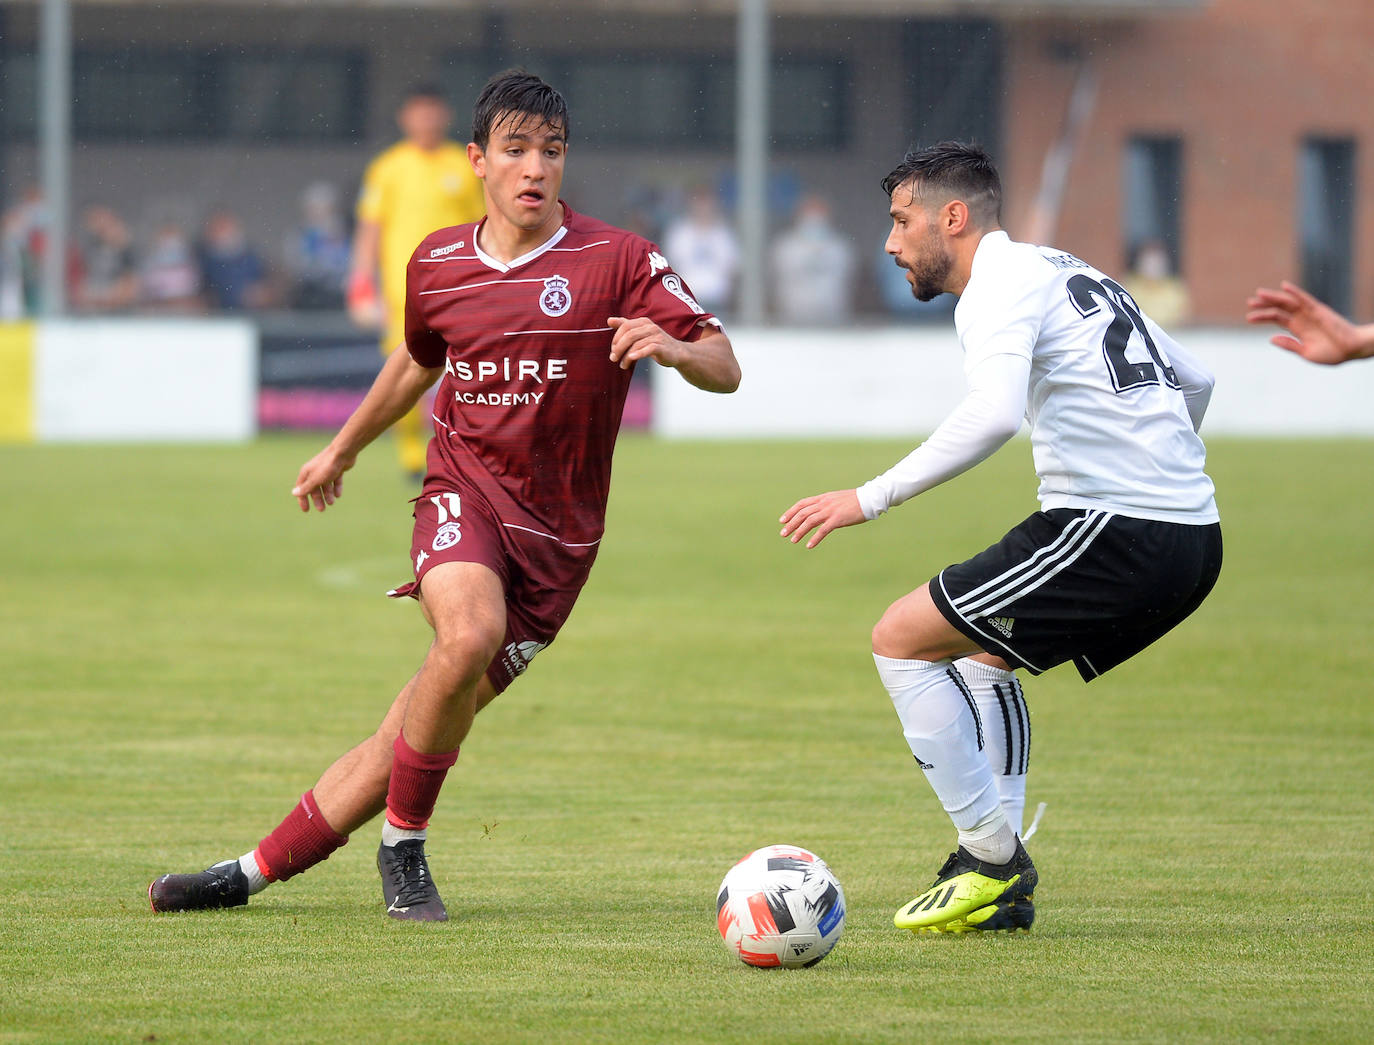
(426,89)
(521,94)
(956,170)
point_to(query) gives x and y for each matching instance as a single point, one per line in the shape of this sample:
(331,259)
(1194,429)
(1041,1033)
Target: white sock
(257,881)
(1006,731)
(941,725)
(992,840)
(391,834)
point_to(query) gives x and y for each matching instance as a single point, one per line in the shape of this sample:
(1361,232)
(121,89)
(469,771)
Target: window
(808,103)
(136,94)
(676,100)
(1152,196)
(953,83)
(639,101)
(1326,213)
(18,94)
(290,96)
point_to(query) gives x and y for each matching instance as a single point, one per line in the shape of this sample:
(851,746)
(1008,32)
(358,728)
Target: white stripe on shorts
(1025,577)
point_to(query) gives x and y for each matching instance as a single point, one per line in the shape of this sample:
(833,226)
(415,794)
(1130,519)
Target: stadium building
(1210,126)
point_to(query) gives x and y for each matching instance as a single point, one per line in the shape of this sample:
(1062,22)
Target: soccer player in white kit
(1127,543)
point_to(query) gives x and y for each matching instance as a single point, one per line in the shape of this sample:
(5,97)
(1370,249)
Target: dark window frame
(711,77)
(1165,158)
(1325,217)
(203,115)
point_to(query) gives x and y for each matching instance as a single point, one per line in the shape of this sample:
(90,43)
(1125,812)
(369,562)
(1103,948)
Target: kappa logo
(440,252)
(1002,625)
(672,283)
(556,299)
(420,560)
(447,536)
(657,263)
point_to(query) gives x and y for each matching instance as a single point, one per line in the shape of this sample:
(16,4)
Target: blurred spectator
(109,270)
(1160,294)
(23,242)
(318,255)
(896,293)
(644,210)
(169,275)
(702,248)
(20,243)
(422,183)
(813,267)
(235,276)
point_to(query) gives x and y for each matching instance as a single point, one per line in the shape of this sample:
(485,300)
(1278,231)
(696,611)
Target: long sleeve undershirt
(988,416)
(1194,379)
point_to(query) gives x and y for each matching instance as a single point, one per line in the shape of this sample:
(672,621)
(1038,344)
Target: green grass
(183,653)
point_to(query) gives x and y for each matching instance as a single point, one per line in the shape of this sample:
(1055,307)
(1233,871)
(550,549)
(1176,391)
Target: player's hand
(642,338)
(321,480)
(1316,331)
(822,514)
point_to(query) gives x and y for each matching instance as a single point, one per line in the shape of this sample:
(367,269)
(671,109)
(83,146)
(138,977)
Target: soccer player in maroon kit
(532,320)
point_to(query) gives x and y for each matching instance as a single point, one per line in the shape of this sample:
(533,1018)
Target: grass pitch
(183,652)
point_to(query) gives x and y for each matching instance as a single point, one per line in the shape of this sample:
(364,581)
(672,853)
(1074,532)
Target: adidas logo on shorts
(1002,625)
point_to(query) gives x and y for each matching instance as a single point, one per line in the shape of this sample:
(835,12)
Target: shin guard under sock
(299,842)
(416,778)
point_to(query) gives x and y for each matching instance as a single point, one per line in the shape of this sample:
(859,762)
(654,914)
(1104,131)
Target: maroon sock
(415,782)
(300,841)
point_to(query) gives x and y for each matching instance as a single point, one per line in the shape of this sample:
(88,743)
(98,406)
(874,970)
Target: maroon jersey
(530,403)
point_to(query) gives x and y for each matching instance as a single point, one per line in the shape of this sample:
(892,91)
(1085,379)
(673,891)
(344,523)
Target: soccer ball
(780,906)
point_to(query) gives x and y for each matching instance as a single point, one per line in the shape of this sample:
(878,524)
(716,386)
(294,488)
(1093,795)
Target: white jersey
(1112,400)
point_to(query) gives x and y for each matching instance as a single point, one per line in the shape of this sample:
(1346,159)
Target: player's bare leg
(353,790)
(348,794)
(914,648)
(465,603)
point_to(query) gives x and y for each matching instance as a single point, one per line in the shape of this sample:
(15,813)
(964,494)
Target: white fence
(197,380)
(189,380)
(888,381)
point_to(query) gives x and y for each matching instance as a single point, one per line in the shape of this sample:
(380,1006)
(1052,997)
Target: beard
(929,273)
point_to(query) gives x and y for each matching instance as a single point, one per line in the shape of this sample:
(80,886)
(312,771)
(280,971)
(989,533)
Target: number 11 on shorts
(454,509)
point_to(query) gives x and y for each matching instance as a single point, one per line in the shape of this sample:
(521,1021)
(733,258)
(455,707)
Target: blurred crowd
(172,266)
(817,274)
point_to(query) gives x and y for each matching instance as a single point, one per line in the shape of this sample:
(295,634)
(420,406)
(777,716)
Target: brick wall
(1242,82)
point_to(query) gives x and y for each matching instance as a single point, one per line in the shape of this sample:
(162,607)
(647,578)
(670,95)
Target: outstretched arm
(708,362)
(988,416)
(1316,331)
(397,388)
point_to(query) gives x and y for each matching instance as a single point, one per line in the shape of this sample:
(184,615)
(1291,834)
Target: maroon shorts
(541,575)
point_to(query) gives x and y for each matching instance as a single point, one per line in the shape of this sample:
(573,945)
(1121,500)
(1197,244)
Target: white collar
(499,266)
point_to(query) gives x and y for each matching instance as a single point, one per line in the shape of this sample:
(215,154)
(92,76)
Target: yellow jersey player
(422,183)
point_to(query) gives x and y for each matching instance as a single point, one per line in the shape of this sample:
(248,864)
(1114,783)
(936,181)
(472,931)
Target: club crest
(447,536)
(556,298)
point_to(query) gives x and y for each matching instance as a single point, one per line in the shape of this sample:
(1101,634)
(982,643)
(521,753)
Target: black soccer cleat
(223,885)
(968,890)
(407,887)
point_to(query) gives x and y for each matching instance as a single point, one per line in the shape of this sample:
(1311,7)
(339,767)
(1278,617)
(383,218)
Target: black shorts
(1080,584)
